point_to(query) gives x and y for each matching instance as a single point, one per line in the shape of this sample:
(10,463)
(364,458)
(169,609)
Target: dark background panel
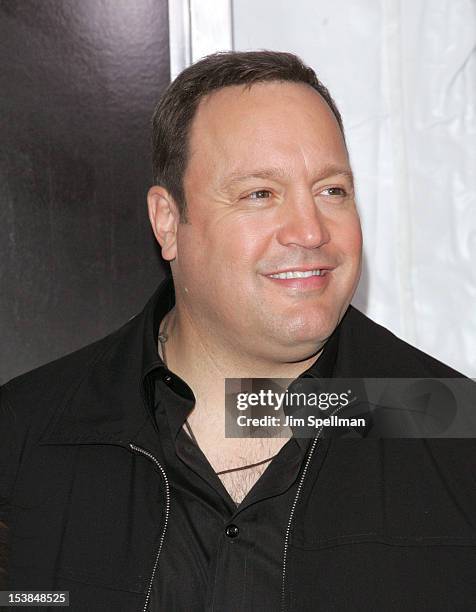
(78,84)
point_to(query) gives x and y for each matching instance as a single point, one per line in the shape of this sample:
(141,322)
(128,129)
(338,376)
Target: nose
(302,223)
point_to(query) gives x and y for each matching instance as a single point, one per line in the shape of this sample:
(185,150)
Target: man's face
(269,191)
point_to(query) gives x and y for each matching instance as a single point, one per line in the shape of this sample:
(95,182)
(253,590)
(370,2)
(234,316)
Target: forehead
(262,109)
(278,123)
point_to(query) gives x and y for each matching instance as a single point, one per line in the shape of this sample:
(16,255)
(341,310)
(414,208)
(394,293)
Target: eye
(261,194)
(335,191)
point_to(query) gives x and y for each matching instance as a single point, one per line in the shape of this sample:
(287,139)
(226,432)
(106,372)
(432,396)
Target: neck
(201,360)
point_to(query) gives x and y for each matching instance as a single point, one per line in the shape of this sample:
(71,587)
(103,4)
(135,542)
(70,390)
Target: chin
(303,328)
(307,334)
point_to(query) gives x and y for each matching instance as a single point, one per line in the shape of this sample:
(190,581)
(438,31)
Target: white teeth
(296,274)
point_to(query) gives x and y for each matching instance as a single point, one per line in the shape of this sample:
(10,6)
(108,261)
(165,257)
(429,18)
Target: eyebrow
(278,173)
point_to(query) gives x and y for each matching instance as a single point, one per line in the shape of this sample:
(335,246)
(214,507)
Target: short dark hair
(176,109)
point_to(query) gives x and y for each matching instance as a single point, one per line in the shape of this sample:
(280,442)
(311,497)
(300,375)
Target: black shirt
(217,555)
(380,524)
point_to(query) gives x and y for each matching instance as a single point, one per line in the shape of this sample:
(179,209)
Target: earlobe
(163,216)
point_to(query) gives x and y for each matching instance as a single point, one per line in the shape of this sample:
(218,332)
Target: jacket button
(232,531)
(167,379)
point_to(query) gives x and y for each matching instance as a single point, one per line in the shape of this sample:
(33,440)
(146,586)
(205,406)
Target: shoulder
(28,399)
(375,351)
(54,377)
(29,402)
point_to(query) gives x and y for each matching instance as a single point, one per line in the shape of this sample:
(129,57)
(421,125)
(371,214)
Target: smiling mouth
(299,274)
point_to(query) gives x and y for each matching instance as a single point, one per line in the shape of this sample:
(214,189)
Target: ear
(164,219)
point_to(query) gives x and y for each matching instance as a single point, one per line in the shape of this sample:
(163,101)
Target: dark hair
(176,109)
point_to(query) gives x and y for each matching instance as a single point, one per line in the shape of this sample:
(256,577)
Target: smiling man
(268,258)
(121,486)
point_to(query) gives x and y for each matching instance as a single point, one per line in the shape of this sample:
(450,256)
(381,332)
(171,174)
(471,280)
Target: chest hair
(239,483)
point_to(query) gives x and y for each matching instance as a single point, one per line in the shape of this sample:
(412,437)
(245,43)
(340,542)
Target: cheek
(191,260)
(350,239)
(222,245)
(355,245)
(242,241)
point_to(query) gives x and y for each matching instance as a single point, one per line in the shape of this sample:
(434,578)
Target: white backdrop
(404,77)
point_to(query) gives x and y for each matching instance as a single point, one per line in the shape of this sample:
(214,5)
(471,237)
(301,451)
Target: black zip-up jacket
(376,525)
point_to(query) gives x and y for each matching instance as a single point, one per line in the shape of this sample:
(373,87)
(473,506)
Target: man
(118,482)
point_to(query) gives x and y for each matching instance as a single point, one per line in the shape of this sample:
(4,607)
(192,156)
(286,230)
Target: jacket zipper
(138,449)
(290,520)
(293,508)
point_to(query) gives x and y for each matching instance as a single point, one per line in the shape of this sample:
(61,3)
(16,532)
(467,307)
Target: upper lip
(301,269)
